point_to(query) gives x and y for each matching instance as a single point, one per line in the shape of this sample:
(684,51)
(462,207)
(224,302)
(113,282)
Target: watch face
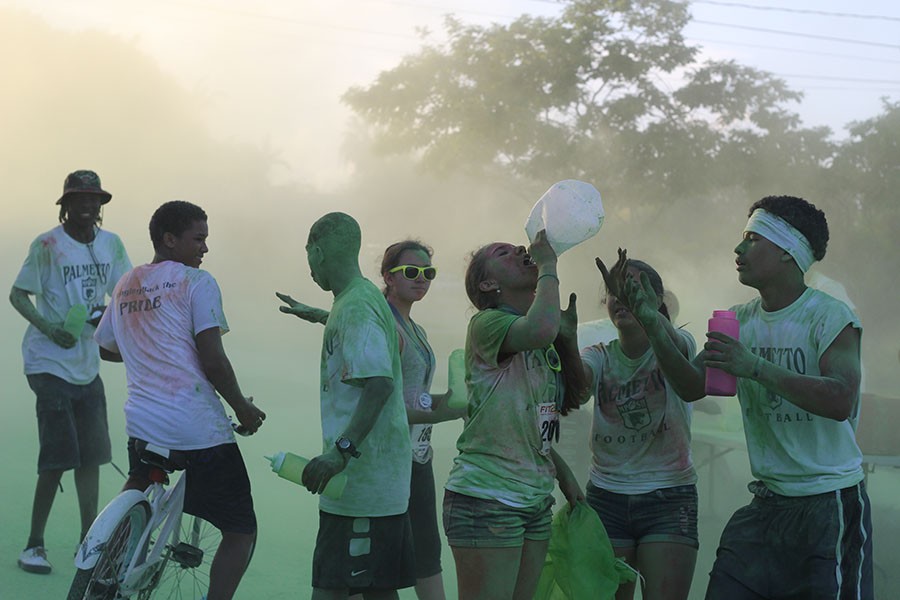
(343,443)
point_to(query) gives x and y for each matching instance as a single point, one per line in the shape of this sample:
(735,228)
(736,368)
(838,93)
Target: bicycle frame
(165,520)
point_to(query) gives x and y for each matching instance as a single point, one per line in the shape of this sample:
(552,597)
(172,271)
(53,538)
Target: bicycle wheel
(101,582)
(185,570)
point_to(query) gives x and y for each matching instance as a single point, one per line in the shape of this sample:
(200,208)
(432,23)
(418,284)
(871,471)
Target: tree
(607,91)
(864,180)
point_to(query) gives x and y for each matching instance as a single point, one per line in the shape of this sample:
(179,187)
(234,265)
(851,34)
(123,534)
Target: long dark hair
(574,385)
(475,274)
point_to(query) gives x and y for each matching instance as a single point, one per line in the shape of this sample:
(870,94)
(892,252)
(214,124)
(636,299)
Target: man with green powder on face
(364,543)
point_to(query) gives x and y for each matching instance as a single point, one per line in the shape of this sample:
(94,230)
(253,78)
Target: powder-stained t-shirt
(61,272)
(156,312)
(360,342)
(641,436)
(795,452)
(504,449)
(418,363)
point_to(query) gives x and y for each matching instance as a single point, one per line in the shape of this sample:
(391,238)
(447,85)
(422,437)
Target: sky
(271,72)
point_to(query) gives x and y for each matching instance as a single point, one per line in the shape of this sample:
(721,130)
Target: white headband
(782,234)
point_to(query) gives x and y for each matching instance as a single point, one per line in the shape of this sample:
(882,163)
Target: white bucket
(570,211)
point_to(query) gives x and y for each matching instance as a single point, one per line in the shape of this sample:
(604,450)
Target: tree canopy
(607,90)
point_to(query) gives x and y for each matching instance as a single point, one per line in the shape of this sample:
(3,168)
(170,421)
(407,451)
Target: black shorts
(423,518)
(796,547)
(217,488)
(72,427)
(363,553)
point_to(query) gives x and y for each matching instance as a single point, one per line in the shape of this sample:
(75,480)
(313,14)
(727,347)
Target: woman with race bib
(498,498)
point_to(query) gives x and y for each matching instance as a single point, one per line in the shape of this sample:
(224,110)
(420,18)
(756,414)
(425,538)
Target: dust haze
(90,100)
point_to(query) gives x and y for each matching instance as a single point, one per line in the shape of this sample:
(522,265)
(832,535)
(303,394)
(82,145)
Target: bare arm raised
(540,324)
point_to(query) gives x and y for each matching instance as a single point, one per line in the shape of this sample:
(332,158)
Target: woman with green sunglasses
(498,498)
(407,272)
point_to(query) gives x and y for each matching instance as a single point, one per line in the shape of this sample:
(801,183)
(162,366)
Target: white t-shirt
(156,312)
(62,272)
(797,453)
(641,438)
(601,331)
(417,361)
(360,342)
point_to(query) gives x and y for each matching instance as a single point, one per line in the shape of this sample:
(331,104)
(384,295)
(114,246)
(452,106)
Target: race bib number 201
(548,425)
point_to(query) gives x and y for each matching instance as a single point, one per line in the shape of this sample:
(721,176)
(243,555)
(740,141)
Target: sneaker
(34,560)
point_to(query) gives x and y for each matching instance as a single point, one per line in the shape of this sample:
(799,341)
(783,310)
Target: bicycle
(139,546)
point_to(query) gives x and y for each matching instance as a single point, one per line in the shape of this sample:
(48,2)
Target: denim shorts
(796,547)
(664,515)
(72,427)
(478,523)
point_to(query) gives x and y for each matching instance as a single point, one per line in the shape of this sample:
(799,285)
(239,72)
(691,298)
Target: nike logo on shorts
(355,573)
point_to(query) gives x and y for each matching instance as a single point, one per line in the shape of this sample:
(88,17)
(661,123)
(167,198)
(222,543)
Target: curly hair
(174,217)
(802,215)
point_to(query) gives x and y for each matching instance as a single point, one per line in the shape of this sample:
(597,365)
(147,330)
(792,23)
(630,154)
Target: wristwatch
(345,446)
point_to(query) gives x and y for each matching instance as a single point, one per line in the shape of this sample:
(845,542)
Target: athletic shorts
(362,554)
(217,488)
(802,547)
(72,427)
(423,519)
(478,523)
(665,515)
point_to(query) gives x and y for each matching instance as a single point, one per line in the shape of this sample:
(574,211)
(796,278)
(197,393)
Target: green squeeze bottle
(456,379)
(75,319)
(288,465)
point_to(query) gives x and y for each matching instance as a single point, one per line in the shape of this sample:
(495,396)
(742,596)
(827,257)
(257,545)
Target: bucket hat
(84,182)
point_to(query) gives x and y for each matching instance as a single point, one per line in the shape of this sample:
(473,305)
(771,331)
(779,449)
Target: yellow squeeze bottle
(288,465)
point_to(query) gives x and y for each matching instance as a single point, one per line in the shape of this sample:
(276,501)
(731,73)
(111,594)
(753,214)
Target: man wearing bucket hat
(70,268)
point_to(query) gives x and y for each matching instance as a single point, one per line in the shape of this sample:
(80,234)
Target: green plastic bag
(580,563)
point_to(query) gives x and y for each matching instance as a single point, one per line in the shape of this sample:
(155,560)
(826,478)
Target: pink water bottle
(718,382)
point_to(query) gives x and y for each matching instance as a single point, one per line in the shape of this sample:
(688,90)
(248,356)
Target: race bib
(420,433)
(420,438)
(548,425)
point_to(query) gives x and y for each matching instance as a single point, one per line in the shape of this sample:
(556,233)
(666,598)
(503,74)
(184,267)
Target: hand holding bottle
(542,253)
(322,469)
(290,466)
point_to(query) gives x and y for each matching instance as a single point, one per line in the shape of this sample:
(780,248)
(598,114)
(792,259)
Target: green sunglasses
(412,272)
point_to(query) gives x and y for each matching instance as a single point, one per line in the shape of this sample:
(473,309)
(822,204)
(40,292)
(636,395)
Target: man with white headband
(807,532)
